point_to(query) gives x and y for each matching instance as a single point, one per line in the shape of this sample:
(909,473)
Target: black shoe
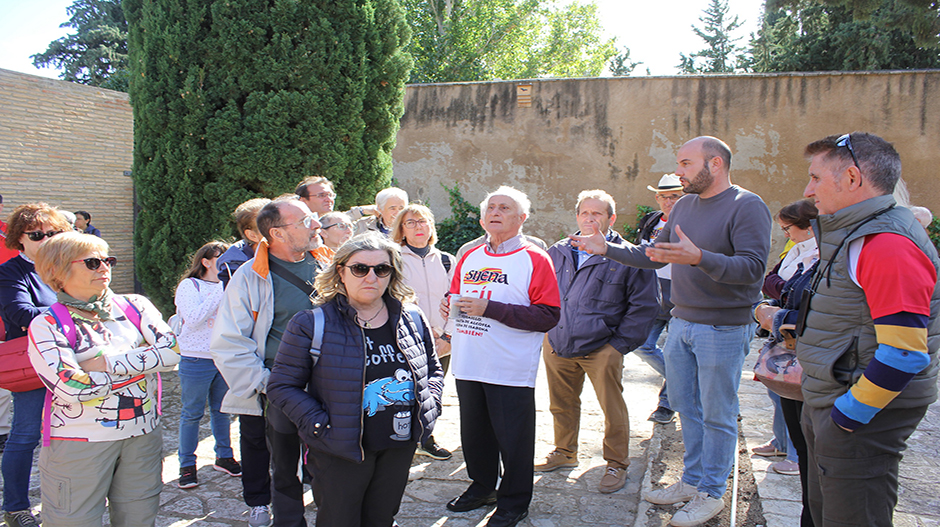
(662,415)
(188,477)
(433,450)
(229,466)
(464,503)
(506,519)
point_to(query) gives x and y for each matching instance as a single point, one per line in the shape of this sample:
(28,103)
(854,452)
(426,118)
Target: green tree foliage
(920,18)
(96,54)
(811,36)
(721,54)
(471,40)
(235,99)
(463,224)
(621,65)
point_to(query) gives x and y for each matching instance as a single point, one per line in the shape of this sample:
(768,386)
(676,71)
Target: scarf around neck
(100,306)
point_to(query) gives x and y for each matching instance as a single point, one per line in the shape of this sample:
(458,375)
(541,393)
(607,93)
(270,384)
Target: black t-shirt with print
(389,396)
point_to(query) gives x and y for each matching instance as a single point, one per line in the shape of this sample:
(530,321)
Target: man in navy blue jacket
(607,310)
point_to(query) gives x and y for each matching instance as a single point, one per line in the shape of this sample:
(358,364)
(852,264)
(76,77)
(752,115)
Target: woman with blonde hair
(358,376)
(428,271)
(23,296)
(97,353)
(197,299)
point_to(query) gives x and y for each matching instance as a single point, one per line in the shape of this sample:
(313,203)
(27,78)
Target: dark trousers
(256,461)
(287,491)
(366,494)
(791,414)
(853,476)
(497,424)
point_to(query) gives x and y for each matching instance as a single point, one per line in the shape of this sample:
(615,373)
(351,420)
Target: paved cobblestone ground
(566,497)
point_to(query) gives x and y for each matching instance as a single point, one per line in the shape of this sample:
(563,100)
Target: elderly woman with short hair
(97,353)
(359,377)
(23,296)
(388,203)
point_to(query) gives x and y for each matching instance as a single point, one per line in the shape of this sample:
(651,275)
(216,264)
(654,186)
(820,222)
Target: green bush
(632,232)
(463,224)
(934,231)
(236,99)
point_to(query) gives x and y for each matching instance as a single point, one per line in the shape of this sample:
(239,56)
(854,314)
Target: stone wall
(69,145)
(621,134)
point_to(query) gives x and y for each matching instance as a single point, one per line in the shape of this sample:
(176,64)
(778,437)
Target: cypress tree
(235,99)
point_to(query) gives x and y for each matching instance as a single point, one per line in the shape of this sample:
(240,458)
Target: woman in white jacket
(197,300)
(428,271)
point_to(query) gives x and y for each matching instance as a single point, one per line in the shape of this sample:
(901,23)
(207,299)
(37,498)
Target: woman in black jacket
(359,377)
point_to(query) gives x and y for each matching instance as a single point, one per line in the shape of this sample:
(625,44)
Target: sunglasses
(846,141)
(360,270)
(37,236)
(94,263)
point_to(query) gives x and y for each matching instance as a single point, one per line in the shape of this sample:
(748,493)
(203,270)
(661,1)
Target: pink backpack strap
(132,314)
(64,319)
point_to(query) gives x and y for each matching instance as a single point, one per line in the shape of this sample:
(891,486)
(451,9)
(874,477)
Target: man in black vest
(868,345)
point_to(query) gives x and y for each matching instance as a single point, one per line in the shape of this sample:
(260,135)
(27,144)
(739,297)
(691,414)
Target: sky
(655,31)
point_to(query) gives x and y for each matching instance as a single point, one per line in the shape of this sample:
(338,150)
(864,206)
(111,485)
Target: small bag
(778,368)
(16,372)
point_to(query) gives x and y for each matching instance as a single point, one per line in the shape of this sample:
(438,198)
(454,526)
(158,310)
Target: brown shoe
(613,480)
(556,459)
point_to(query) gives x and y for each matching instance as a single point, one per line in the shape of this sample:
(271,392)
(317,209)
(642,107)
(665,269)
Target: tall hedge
(235,99)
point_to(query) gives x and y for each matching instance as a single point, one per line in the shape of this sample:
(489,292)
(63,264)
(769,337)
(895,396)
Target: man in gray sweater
(718,238)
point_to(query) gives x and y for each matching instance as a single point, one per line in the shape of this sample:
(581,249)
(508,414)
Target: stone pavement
(566,497)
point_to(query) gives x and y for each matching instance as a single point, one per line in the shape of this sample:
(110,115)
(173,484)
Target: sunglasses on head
(846,141)
(360,270)
(94,263)
(37,236)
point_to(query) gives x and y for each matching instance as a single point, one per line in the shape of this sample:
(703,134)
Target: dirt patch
(667,468)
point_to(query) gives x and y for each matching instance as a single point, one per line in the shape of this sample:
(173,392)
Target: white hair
(390,192)
(922,215)
(522,201)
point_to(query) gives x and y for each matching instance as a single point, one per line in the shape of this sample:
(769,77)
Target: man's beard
(701,182)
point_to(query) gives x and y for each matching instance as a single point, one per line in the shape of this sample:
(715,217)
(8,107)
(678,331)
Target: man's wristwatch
(445,337)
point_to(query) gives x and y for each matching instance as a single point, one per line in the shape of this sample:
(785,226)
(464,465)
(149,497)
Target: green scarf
(100,306)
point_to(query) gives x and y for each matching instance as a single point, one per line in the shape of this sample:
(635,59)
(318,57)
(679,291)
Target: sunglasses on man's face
(360,270)
(94,263)
(37,236)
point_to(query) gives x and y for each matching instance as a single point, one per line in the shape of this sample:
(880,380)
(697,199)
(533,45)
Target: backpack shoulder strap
(317,342)
(446,260)
(129,309)
(64,319)
(415,313)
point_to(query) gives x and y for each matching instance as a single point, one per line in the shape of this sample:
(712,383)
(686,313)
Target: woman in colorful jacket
(359,377)
(98,356)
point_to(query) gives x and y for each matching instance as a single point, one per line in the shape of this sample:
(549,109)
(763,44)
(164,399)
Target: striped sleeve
(898,280)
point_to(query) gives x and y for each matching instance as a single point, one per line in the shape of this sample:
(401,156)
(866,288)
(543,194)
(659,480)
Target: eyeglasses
(37,236)
(342,226)
(787,228)
(324,195)
(411,224)
(671,197)
(360,270)
(94,263)
(846,141)
(306,220)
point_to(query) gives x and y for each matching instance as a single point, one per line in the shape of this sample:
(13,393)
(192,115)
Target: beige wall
(68,145)
(621,134)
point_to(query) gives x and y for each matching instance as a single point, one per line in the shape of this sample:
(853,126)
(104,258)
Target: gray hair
(328,283)
(599,195)
(336,217)
(878,161)
(522,201)
(390,192)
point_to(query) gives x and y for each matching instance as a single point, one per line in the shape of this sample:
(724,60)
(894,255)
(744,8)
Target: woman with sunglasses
(197,299)
(428,271)
(97,353)
(358,376)
(23,296)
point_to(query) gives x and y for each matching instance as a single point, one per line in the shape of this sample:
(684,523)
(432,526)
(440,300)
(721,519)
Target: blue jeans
(781,440)
(18,454)
(199,381)
(703,368)
(652,355)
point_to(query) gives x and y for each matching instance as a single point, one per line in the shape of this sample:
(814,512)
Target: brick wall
(69,145)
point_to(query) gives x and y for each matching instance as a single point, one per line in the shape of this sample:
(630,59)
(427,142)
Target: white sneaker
(260,516)
(698,511)
(677,492)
